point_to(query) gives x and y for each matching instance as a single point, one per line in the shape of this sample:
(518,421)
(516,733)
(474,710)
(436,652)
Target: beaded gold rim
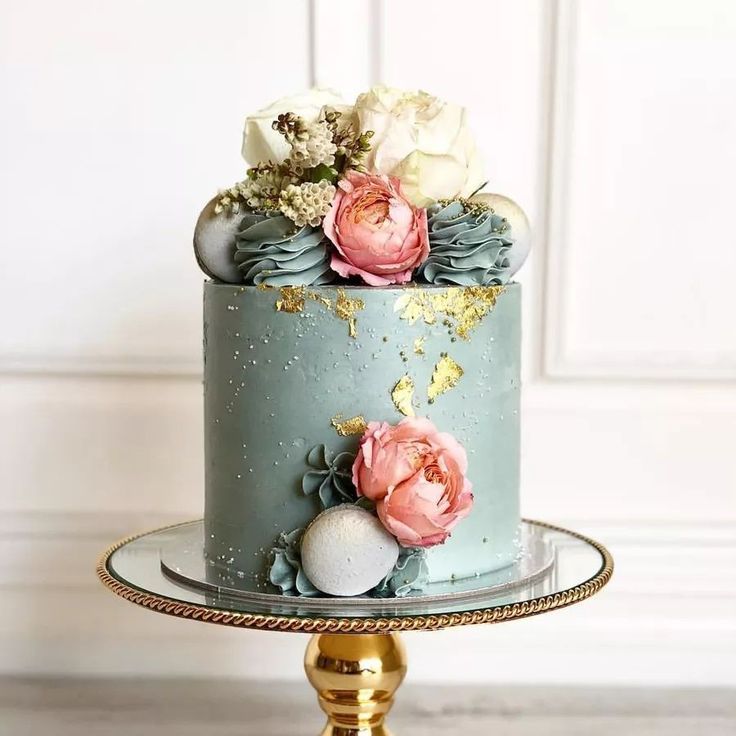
(363,625)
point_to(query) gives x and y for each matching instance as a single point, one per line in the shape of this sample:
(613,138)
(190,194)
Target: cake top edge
(384,191)
(211,283)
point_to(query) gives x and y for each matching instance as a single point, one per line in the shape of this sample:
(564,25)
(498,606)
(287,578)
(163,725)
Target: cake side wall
(483,413)
(275,380)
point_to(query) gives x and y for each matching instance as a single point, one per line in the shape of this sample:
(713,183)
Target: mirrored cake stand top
(164,571)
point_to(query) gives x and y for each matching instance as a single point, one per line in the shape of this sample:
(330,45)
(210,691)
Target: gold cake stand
(355,659)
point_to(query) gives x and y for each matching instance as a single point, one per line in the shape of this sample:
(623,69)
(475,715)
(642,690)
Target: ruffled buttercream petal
(271,251)
(466,248)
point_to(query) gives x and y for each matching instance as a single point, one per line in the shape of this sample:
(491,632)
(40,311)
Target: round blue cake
(291,369)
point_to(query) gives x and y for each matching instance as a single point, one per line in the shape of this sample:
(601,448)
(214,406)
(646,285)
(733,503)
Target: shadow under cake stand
(355,658)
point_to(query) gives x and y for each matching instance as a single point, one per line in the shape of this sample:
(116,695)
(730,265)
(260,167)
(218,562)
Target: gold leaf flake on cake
(415,305)
(346,308)
(463,307)
(402,395)
(445,376)
(292,299)
(348,427)
(319,298)
(419,345)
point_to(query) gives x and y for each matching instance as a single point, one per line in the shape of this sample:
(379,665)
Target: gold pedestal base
(355,676)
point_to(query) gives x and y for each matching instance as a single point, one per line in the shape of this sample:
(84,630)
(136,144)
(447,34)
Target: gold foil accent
(292,299)
(445,376)
(463,307)
(419,345)
(347,427)
(345,308)
(415,305)
(402,395)
(323,300)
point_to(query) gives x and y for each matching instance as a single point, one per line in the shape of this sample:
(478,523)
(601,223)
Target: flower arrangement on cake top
(384,191)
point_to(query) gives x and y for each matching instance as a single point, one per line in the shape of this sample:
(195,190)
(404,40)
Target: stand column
(355,676)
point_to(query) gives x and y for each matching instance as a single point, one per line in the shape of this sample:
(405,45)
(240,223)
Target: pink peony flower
(379,235)
(416,476)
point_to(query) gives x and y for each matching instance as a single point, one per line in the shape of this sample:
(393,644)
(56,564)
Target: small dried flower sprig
(259,191)
(352,147)
(302,186)
(311,145)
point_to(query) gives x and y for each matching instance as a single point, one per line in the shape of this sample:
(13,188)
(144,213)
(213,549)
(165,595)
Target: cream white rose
(262,143)
(421,139)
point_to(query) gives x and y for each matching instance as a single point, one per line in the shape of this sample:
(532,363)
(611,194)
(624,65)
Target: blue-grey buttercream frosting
(467,247)
(286,571)
(410,572)
(265,410)
(330,477)
(272,250)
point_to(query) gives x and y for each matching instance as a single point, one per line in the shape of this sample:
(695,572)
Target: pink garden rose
(379,235)
(416,476)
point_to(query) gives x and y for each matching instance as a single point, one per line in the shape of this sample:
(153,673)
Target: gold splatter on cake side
(464,307)
(445,376)
(347,308)
(402,395)
(348,427)
(294,298)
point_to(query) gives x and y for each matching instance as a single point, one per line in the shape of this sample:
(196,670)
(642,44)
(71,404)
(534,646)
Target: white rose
(422,140)
(262,143)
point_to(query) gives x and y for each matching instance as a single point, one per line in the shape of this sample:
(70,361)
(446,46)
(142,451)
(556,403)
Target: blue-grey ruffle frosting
(271,250)
(466,248)
(285,571)
(330,477)
(410,572)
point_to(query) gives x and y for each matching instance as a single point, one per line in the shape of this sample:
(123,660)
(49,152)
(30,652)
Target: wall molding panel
(357,45)
(572,352)
(96,365)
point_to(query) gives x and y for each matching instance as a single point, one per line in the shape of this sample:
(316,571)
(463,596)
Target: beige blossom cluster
(307,203)
(314,148)
(257,193)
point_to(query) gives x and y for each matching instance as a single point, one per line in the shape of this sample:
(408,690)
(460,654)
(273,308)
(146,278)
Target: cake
(361,352)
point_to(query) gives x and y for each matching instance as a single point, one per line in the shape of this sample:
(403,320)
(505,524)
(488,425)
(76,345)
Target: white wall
(612,122)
